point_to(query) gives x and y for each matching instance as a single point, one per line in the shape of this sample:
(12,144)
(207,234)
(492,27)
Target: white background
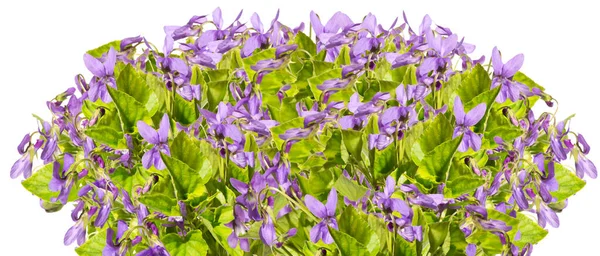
(42,44)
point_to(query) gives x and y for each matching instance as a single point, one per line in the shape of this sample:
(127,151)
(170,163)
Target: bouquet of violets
(352,138)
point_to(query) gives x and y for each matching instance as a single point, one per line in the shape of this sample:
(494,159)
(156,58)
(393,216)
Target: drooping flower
(158,138)
(582,164)
(267,232)
(75,233)
(60,181)
(113,243)
(464,122)
(327,215)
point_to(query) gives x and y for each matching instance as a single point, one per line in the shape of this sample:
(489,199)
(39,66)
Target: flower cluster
(366,140)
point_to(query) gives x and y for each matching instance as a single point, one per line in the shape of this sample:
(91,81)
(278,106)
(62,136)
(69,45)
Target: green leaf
(37,184)
(94,245)
(318,183)
(353,140)
(105,135)
(188,182)
(216,93)
(347,244)
(462,185)
(568,183)
(272,82)
(353,223)
(524,79)
(385,161)
(130,110)
(412,137)
(436,132)
(191,245)
(531,232)
(215,75)
(107,130)
(231,60)
(305,43)
(449,90)
(333,148)
(507,133)
(405,248)
(156,100)
(344,57)
(435,164)
(301,150)
(131,82)
(127,178)
(349,188)
(281,111)
(320,67)
(184,112)
(457,237)
(437,235)
(97,53)
(476,82)
(488,242)
(410,77)
(161,203)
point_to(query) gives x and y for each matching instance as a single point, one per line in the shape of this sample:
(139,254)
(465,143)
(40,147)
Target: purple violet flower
(503,73)
(327,215)
(158,138)
(464,122)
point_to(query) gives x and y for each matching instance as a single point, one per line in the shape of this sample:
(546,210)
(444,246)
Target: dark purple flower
(464,122)
(158,138)
(327,215)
